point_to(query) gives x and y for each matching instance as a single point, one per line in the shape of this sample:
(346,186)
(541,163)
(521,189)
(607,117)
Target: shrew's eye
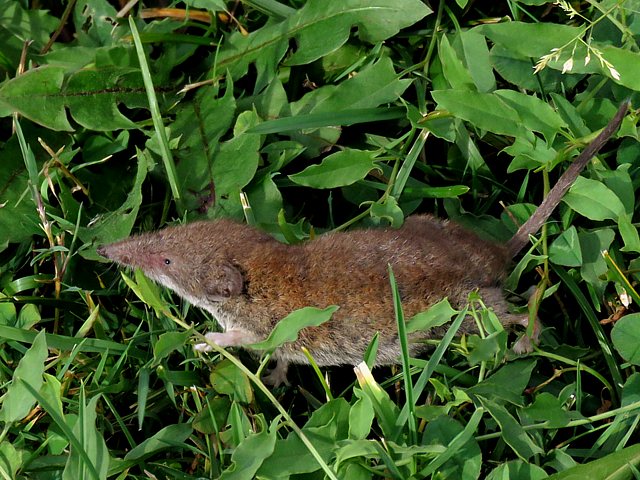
(167,261)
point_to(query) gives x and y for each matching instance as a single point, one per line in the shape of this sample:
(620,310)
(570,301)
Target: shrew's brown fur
(249,281)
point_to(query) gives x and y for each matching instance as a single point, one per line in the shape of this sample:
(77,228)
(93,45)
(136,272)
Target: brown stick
(543,212)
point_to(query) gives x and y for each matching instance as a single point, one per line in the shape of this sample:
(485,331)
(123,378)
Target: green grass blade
(316,370)
(605,346)
(143,393)
(407,166)
(434,360)
(29,161)
(617,273)
(454,445)
(406,367)
(312,449)
(158,124)
(318,120)
(62,425)
(271,8)
(69,343)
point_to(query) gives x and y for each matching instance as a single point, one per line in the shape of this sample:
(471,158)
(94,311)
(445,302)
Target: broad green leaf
(512,432)
(7,313)
(37,22)
(626,337)
(484,111)
(593,200)
(319,28)
(168,342)
(353,449)
(327,426)
(91,95)
(559,460)
(516,69)
(452,67)
(356,448)
(615,466)
(168,437)
(272,103)
(227,379)
(436,315)
(95,23)
(228,173)
(337,170)
(212,417)
(625,62)
(28,317)
(250,453)
(565,250)
(353,471)
(287,329)
(629,234)
(485,349)
(534,113)
(200,124)
(432,412)
(22,94)
(571,115)
(18,214)
(476,57)
(530,152)
(507,384)
(548,408)
(10,459)
(374,85)
(543,36)
(180,378)
(361,416)
(327,25)
(465,460)
(441,127)
(145,289)
(329,119)
(117,224)
(619,182)
(386,411)
(517,470)
(265,200)
(213,5)
(453,191)
(18,401)
(592,244)
(389,211)
(92,443)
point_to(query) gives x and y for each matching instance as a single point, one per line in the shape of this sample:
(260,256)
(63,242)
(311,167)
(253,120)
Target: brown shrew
(249,281)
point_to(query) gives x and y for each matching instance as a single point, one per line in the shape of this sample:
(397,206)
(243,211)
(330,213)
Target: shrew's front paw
(230,338)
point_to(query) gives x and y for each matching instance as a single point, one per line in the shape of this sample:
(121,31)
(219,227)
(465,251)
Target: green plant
(302,118)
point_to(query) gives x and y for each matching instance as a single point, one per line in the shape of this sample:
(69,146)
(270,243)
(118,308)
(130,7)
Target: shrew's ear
(224,281)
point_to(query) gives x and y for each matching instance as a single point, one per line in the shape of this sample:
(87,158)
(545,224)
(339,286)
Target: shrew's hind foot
(525,343)
(278,375)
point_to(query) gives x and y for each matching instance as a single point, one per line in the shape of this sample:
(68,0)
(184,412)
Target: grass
(303,118)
